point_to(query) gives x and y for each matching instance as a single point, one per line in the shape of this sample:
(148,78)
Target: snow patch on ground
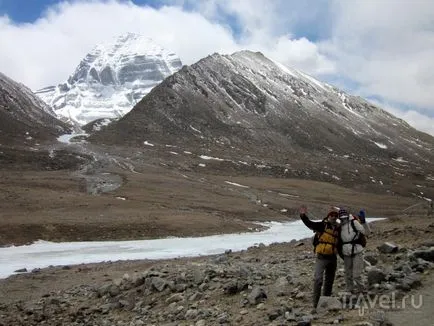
(197,130)
(66,138)
(288,195)
(204,157)
(43,253)
(236,184)
(380,145)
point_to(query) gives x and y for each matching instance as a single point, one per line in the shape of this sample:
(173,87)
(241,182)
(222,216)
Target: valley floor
(160,202)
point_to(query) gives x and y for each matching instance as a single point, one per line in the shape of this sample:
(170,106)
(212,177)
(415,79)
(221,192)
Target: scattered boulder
(256,296)
(282,286)
(375,276)
(410,282)
(328,304)
(158,283)
(427,254)
(373,260)
(175,298)
(388,248)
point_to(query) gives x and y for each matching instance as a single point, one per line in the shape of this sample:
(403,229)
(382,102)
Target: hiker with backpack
(353,232)
(325,248)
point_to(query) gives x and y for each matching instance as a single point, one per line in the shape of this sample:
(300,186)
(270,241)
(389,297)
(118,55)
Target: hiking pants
(325,268)
(353,272)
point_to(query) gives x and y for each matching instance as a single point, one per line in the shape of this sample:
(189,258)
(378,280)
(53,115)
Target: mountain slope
(111,79)
(24,118)
(248,106)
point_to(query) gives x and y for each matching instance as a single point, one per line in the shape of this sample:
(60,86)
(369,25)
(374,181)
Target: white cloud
(47,51)
(387,48)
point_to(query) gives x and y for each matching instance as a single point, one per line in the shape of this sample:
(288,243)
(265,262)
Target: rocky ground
(264,285)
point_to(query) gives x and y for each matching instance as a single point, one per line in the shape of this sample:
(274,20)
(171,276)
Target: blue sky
(23,11)
(374,49)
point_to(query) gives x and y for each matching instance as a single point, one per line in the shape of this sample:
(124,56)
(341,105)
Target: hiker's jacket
(348,235)
(327,236)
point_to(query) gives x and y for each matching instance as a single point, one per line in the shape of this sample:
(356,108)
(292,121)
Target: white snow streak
(380,145)
(204,157)
(236,184)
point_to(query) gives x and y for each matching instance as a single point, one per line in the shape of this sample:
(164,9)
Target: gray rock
(223,318)
(427,254)
(21,270)
(371,259)
(282,286)
(127,305)
(181,287)
(158,283)
(195,296)
(410,282)
(376,275)
(191,314)
(328,304)
(245,271)
(203,287)
(137,279)
(175,298)
(106,308)
(290,316)
(388,248)
(378,318)
(274,314)
(256,296)
(231,288)
(221,259)
(198,276)
(305,321)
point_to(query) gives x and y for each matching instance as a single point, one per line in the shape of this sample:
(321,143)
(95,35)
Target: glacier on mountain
(111,79)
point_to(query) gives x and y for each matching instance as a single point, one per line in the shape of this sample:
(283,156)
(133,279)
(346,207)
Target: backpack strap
(354,240)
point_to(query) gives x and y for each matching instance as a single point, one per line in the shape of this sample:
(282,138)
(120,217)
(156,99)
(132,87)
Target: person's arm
(362,219)
(362,228)
(315,226)
(367,228)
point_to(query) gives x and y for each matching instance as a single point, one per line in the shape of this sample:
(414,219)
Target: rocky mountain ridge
(247,108)
(24,117)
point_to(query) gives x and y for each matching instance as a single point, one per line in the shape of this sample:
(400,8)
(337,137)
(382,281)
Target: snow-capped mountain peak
(111,79)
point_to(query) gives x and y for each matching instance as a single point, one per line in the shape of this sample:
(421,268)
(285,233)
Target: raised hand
(303,209)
